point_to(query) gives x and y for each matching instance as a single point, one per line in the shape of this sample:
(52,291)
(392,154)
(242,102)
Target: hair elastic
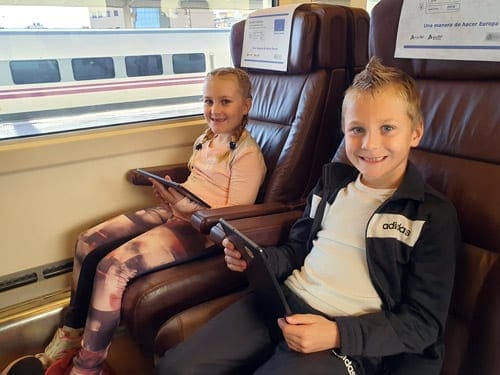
(232,145)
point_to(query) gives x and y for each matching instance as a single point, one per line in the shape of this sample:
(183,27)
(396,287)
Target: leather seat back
(460,156)
(286,109)
(295,119)
(291,109)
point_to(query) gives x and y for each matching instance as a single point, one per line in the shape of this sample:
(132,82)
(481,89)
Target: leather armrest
(152,299)
(204,220)
(183,325)
(178,173)
(267,230)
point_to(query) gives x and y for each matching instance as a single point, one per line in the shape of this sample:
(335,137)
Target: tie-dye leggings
(107,257)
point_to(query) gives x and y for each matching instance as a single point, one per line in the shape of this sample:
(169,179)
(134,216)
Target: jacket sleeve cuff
(350,336)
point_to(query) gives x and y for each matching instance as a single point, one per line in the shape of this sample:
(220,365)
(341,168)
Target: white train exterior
(44,70)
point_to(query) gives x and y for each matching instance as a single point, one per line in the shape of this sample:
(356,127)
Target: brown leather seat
(347,58)
(286,120)
(460,156)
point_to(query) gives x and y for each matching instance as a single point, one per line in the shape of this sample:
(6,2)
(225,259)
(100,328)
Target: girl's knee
(120,266)
(82,246)
(112,266)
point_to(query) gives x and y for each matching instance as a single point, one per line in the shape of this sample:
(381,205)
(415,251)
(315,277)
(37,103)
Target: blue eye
(357,130)
(387,128)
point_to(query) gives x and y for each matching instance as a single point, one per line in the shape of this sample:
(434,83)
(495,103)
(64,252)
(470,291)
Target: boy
(368,269)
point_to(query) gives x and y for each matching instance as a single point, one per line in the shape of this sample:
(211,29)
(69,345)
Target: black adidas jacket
(411,244)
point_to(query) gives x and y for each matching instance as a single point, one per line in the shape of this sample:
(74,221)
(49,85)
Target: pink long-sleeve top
(227,181)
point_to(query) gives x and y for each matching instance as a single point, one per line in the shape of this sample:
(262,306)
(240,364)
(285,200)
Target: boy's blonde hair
(376,77)
(245,87)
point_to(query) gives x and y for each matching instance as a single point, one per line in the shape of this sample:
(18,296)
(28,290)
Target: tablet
(178,187)
(258,273)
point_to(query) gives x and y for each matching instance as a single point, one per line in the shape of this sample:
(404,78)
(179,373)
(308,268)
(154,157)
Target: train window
(149,65)
(93,68)
(188,63)
(34,71)
(72,65)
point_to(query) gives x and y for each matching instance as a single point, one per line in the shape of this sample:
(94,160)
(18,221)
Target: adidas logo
(347,362)
(397,226)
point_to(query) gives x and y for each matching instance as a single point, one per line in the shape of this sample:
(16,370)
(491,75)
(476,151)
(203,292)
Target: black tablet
(178,187)
(258,273)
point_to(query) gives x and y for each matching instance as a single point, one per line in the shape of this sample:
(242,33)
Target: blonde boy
(368,270)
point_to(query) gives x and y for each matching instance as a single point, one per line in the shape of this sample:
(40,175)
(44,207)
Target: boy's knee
(173,365)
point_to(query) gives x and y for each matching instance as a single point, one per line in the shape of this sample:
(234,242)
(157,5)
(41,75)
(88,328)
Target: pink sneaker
(64,366)
(65,340)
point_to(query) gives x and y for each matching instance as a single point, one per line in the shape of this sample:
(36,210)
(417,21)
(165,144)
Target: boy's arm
(289,256)
(418,321)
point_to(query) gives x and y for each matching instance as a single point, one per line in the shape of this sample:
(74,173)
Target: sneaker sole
(23,366)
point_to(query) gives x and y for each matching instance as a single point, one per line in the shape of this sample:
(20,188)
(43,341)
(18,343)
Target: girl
(226,168)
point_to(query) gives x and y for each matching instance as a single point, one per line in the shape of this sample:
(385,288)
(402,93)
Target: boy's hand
(309,333)
(233,257)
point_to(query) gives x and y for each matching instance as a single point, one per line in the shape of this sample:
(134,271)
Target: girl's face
(378,137)
(224,104)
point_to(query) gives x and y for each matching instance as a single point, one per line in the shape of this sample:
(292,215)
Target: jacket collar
(412,186)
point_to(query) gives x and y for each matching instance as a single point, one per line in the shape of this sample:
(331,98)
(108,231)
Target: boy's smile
(379,135)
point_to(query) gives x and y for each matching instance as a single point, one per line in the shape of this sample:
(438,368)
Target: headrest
(302,42)
(343,35)
(323,36)
(383,32)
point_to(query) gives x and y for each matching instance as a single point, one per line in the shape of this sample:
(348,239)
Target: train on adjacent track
(44,70)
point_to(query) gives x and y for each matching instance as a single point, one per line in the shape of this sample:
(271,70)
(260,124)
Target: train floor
(26,329)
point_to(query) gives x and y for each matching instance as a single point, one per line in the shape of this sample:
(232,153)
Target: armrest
(178,173)
(154,298)
(267,230)
(204,220)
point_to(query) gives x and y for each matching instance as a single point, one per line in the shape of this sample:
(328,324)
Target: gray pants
(239,341)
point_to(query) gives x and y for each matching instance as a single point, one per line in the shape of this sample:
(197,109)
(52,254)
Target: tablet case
(259,275)
(178,187)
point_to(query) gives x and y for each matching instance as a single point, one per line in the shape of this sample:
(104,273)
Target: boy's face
(378,137)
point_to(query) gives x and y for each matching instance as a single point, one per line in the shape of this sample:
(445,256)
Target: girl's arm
(247,174)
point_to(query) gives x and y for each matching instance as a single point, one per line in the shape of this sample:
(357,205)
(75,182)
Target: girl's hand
(233,257)
(167,196)
(185,207)
(309,333)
